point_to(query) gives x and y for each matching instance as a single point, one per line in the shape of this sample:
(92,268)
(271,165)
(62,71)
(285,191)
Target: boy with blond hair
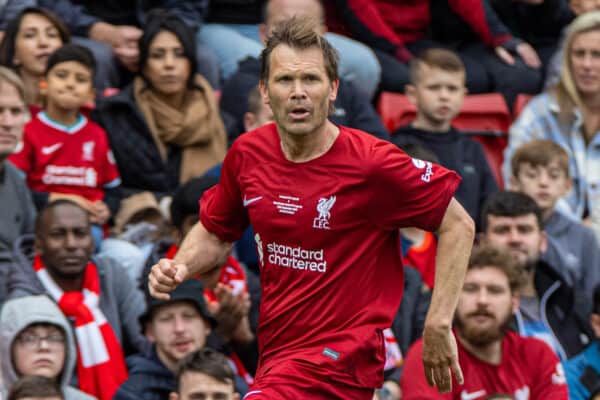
(438,90)
(540,169)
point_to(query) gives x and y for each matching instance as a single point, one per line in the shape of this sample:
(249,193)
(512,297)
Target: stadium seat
(484,117)
(520,104)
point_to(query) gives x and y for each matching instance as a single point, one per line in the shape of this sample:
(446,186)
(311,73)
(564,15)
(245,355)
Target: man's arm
(455,241)
(200,252)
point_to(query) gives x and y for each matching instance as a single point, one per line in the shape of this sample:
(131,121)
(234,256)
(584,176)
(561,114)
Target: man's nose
(298,89)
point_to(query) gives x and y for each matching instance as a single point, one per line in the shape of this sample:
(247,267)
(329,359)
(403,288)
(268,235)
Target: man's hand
(440,356)
(126,47)
(101,213)
(525,51)
(230,310)
(165,276)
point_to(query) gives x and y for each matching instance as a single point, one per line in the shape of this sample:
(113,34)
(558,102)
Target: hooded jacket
(18,314)
(149,378)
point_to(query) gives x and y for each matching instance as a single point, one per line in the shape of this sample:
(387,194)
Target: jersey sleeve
(549,382)
(413,383)
(221,208)
(407,192)
(23,159)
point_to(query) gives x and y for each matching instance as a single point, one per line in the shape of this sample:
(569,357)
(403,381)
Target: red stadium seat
(520,104)
(483,116)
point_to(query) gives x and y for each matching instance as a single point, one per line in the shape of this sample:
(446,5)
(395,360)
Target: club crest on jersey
(324,207)
(88,151)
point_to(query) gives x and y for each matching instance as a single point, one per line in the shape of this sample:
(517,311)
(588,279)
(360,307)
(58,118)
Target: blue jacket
(580,371)
(149,379)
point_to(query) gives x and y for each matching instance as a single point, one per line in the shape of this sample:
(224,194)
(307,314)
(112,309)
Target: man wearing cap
(175,328)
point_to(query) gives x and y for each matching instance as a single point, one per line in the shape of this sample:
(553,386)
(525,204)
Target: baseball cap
(190,290)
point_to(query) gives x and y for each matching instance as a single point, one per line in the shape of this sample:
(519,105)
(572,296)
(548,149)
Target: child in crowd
(438,89)
(63,153)
(35,388)
(540,169)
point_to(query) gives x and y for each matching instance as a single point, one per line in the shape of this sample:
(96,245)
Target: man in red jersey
(493,360)
(326,202)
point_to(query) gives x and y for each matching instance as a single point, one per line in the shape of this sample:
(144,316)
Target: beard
(480,336)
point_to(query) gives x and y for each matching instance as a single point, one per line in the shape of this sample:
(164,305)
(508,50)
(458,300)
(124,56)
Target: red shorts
(294,381)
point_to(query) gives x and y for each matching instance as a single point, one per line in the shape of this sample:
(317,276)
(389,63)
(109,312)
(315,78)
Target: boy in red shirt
(63,153)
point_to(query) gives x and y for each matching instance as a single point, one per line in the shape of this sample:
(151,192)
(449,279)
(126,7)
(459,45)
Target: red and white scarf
(100,362)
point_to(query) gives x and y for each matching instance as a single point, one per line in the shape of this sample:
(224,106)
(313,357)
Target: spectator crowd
(115,118)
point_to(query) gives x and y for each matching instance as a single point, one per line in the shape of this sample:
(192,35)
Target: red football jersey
(328,243)
(529,371)
(73,160)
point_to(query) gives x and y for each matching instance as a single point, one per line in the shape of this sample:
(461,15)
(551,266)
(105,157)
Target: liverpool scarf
(100,363)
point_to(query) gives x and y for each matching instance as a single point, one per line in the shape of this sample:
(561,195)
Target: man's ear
(515,301)
(334,90)
(544,242)
(513,184)
(262,33)
(595,324)
(236,396)
(249,121)
(173,396)
(264,93)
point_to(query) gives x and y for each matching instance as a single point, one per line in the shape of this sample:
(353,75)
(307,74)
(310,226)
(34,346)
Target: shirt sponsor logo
(72,176)
(88,151)
(296,257)
(47,150)
(287,204)
(323,208)
(247,202)
(464,395)
(428,166)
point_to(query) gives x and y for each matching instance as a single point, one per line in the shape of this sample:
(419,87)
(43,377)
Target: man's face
(438,94)
(39,350)
(585,62)
(521,235)
(298,90)
(177,329)
(543,183)
(12,118)
(69,85)
(485,306)
(199,386)
(64,241)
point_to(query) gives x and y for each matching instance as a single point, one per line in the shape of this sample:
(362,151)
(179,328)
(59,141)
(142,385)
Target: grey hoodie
(18,314)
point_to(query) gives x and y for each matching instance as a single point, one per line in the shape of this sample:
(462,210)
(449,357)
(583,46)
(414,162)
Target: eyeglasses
(33,341)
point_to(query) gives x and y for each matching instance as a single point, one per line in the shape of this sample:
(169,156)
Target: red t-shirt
(328,243)
(72,160)
(529,371)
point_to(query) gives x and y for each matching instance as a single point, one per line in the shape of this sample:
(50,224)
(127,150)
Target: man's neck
(490,353)
(423,123)
(528,288)
(63,116)
(308,147)
(167,362)
(67,284)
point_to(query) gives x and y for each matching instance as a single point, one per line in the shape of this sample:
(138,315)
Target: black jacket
(459,153)
(138,159)
(558,308)
(352,107)
(148,379)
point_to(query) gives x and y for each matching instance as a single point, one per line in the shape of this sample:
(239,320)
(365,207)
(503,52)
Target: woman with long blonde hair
(569,114)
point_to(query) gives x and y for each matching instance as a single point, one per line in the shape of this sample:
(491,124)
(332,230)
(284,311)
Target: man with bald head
(352,106)
(94,293)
